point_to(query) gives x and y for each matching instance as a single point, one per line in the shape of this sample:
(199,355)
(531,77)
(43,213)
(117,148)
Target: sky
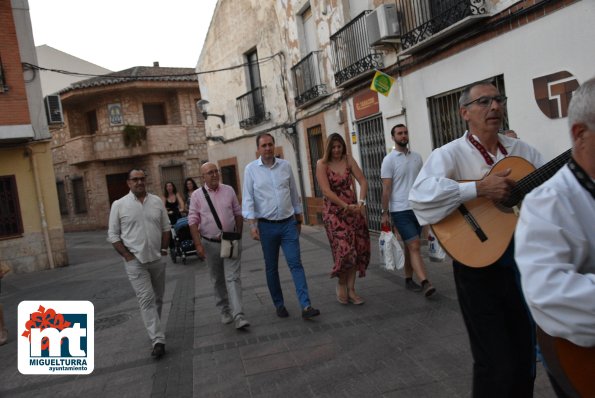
(120,34)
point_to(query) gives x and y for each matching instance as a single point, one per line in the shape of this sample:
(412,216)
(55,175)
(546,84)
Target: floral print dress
(347,232)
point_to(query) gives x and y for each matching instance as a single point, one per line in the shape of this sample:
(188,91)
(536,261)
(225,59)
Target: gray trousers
(225,277)
(148,282)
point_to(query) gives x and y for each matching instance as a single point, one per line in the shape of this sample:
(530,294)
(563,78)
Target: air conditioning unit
(382,25)
(53,109)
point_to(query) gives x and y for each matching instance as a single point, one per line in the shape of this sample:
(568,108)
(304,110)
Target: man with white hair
(555,249)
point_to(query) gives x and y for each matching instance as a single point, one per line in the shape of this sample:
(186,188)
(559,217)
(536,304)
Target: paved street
(398,344)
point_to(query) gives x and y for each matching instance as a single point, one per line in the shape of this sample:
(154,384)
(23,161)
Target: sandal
(356,300)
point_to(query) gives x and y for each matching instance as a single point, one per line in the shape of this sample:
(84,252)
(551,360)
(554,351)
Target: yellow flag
(382,83)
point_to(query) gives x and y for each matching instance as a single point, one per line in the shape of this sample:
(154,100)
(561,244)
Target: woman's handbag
(230,241)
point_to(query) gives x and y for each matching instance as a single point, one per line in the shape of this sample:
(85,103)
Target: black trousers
(500,328)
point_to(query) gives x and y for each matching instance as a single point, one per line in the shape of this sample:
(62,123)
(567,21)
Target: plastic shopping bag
(435,251)
(391,253)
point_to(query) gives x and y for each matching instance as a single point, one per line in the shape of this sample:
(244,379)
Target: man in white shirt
(555,238)
(398,171)
(271,205)
(500,329)
(139,230)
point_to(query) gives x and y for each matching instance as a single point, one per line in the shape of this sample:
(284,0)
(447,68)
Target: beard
(403,144)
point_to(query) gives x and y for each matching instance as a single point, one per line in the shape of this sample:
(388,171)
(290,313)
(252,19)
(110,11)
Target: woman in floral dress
(344,217)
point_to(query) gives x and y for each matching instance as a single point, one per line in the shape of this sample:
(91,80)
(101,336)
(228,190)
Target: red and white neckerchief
(486,156)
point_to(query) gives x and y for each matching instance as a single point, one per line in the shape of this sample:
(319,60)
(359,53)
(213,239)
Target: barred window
(446,122)
(62,201)
(78,196)
(11,223)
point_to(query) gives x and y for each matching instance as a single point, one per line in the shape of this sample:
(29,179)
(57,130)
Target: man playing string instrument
(499,326)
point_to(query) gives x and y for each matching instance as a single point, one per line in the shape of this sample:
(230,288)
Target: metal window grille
(316,152)
(174,174)
(11,223)
(79,197)
(445,119)
(373,150)
(62,201)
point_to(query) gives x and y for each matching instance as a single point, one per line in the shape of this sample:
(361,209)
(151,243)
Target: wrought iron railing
(420,19)
(352,55)
(250,107)
(308,79)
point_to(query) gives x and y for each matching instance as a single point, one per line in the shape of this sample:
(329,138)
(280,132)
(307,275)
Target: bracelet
(362,202)
(164,251)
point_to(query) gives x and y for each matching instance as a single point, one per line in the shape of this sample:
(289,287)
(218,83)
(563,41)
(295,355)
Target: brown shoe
(428,289)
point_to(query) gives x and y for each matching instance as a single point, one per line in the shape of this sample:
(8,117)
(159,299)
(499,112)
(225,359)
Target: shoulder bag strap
(215,216)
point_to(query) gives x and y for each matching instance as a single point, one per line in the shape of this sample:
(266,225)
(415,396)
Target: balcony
(110,145)
(250,108)
(424,22)
(308,80)
(352,55)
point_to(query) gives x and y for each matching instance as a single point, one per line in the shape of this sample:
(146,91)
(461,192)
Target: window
(154,114)
(79,196)
(446,122)
(316,152)
(228,177)
(92,121)
(3,86)
(62,201)
(11,223)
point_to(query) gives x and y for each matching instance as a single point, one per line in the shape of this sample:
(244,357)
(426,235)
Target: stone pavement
(398,344)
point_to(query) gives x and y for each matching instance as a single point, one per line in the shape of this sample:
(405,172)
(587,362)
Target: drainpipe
(40,205)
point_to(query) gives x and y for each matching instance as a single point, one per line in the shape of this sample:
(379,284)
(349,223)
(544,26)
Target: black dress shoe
(310,312)
(158,350)
(282,312)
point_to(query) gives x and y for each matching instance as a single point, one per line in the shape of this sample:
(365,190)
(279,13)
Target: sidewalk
(398,344)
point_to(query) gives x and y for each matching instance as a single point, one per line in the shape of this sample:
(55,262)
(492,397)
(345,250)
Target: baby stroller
(183,245)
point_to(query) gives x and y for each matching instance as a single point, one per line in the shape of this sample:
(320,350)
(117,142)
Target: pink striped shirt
(226,203)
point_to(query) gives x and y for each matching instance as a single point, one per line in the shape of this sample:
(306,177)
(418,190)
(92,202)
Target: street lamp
(202,108)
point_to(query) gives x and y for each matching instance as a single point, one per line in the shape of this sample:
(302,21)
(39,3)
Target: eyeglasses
(484,102)
(137,179)
(212,172)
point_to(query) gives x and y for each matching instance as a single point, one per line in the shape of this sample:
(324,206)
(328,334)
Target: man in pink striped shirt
(225,272)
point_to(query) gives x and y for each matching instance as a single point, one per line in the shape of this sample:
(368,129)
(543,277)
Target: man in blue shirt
(271,205)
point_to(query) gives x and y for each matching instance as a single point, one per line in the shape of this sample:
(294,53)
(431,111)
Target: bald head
(210,175)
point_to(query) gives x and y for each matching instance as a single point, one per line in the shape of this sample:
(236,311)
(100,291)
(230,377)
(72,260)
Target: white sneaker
(241,322)
(226,318)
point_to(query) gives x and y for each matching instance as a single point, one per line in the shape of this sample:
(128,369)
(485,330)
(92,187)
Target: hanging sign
(382,83)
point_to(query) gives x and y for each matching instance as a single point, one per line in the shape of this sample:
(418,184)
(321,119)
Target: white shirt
(270,192)
(402,169)
(139,225)
(436,192)
(555,253)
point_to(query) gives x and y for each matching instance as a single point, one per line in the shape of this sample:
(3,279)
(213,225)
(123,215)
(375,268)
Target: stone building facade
(141,117)
(305,68)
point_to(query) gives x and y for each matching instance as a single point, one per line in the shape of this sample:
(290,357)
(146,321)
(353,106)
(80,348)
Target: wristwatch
(163,251)
(383,211)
